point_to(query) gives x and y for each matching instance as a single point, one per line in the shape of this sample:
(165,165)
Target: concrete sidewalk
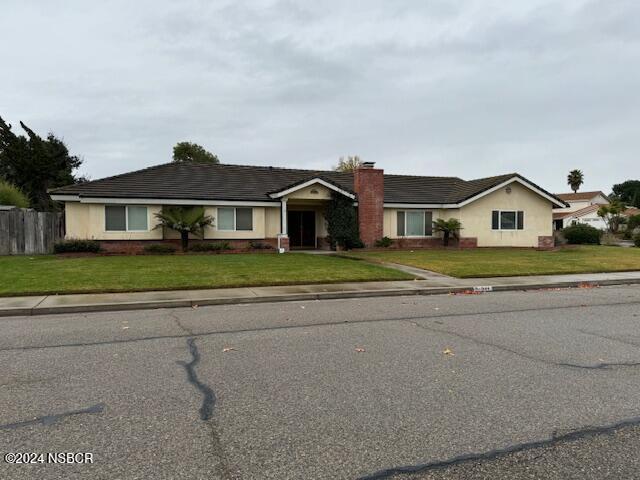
(40,305)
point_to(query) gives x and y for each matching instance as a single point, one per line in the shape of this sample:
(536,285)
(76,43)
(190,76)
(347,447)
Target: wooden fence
(27,232)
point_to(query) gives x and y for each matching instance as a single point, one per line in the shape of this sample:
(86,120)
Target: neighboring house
(588,215)
(286,206)
(582,208)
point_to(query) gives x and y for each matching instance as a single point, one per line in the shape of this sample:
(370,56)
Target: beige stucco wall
(476,218)
(86,221)
(322,193)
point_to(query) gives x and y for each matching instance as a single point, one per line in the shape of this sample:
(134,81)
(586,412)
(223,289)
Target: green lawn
(50,274)
(494,262)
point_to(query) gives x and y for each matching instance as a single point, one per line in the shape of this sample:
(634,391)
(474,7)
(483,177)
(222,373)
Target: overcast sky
(428,87)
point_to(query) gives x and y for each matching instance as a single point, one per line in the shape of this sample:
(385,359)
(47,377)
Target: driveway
(504,385)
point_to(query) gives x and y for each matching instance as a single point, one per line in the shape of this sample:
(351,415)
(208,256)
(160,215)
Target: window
(239,219)
(125,218)
(414,223)
(507,220)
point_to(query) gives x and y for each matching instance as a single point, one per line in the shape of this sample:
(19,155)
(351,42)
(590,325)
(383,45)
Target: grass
(51,275)
(494,262)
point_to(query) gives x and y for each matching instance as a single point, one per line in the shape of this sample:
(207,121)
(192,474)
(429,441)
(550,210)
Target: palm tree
(348,164)
(448,228)
(575,179)
(185,220)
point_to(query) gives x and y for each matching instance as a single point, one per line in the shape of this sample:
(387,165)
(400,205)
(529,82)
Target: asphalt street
(541,384)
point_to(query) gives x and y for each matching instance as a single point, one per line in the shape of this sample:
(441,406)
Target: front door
(302,228)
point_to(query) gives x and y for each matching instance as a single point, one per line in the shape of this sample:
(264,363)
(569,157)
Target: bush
(12,195)
(210,247)
(259,245)
(159,249)
(384,242)
(636,240)
(342,223)
(581,233)
(633,222)
(77,246)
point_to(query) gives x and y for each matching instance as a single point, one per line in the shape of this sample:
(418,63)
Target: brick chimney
(368,183)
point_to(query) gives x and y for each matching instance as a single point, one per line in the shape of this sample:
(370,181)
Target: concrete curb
(392,292)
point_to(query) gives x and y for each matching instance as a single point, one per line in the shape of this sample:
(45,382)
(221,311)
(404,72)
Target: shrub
(256,245)
(581,233)
(77,246)
(384,242)
(159,249)
(633,222)
(342,223)
(210,247)
(636,240)
(12,195)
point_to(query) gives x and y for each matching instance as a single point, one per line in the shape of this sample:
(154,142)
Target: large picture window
(235,219)
(415,223)
(126,218)
(507,220)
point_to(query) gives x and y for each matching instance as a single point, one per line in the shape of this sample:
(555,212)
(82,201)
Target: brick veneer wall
(368,183)
(137,246)
(468,242)
(546,242)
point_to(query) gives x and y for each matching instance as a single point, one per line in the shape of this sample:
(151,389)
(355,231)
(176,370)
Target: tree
(184,220)
(628,192)
(192,152)
(34,164)
(575,179)
(448,228)
(348,164)
(612,215)
(342,222)
(12,195)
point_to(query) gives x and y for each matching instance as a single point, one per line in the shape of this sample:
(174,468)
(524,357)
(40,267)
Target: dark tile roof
(192,181)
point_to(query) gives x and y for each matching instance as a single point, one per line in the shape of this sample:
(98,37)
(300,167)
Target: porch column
(283,216)
(283,238)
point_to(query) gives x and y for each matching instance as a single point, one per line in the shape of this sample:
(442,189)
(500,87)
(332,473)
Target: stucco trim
(308,183)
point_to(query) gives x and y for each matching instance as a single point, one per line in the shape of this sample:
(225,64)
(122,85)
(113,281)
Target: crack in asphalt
(606,337)
(489,455)
(597,366)
(207,406)
(286,327)
(51,419)
(208,397)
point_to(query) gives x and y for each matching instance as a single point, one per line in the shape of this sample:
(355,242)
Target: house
(582,208)
(286,207)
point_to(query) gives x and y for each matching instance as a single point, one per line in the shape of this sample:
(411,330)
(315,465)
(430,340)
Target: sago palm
(448,228)
(185,220)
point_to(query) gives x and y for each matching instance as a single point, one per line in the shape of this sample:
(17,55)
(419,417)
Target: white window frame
(126,218)
(500,229)
(235,226)
(424,212)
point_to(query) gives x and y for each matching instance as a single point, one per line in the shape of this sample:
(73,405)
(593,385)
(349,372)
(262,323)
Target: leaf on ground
(194,306)
(448,351)
(360,349)
(228,349)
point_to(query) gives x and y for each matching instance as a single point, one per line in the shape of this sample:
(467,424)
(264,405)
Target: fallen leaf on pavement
(448,351)
(228,349)
(194,306)
(360,350)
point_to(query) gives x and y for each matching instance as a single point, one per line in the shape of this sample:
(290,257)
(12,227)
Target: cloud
(468,88)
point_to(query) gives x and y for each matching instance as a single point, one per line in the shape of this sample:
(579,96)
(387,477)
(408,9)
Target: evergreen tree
(34,164)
